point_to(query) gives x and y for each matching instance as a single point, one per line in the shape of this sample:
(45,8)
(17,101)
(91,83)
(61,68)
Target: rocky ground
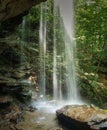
(34,120)
(75,117)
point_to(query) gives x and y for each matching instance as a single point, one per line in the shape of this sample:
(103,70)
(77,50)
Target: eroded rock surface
(12,13)
(83,117)
(12,8)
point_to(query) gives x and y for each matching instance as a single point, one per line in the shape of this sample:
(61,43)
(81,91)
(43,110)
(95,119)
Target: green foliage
(91,31)
(34,15)
(91,34)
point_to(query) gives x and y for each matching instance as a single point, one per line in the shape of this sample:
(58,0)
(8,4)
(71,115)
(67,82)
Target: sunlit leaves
(91,37)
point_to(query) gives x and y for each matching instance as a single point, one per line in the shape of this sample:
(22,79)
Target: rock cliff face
(12,8)
(12,12)
(15,70)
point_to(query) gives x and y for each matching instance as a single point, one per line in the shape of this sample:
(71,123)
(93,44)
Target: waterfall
(71,80)
(23,37)
(57,72)
(64,52)
(55,82)
(66,17)
(42,40)
(23,30)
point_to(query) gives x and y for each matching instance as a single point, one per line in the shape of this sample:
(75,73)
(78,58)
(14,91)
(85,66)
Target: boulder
(56,129)
(83,117)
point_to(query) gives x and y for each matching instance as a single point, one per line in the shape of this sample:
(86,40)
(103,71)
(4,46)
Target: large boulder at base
(83,117)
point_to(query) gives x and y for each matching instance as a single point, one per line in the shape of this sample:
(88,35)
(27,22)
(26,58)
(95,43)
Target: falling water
(55,82)
(64,52)
(22,39)
(57,54)
(42,38)
(67,19)
(23,30)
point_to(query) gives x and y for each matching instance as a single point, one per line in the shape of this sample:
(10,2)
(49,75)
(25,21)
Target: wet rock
(12,127)
(31,109)
(18,75)
(83,117)
(5,101)
(56,129)
(15,89)
(9,8)
(10,115)
(104,106)
(14,114)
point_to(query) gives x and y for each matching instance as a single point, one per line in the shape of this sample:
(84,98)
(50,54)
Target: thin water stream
(42,49)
